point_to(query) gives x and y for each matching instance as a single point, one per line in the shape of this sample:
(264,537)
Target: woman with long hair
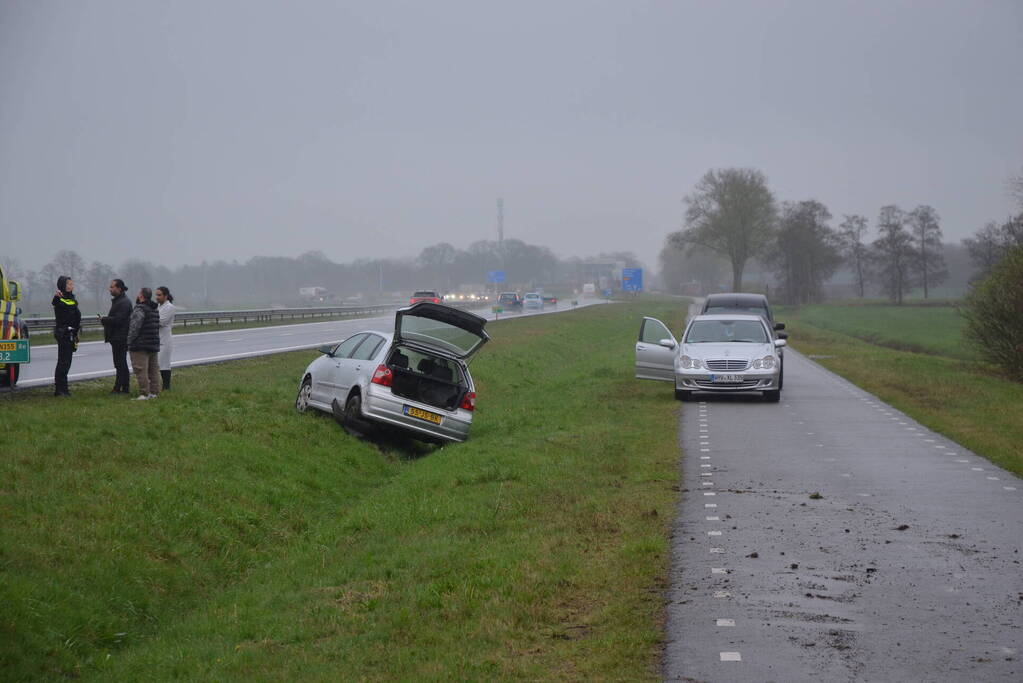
(67,322)
(165,300)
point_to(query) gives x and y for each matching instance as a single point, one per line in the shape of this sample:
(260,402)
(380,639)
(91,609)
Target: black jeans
(119,349)
(65,349)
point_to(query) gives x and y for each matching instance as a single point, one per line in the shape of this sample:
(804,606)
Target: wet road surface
(831,538)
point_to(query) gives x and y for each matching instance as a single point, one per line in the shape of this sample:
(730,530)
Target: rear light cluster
(469,402)
(383,376)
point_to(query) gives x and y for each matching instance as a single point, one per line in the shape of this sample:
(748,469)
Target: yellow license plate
(423,414)
(8,346)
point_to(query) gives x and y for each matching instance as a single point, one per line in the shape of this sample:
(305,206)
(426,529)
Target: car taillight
(436,301)
(469,402)
(383,376)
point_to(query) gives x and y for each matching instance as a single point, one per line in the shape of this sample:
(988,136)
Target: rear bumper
(380,405)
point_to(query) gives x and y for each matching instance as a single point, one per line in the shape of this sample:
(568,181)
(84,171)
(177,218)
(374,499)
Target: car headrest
(400,360)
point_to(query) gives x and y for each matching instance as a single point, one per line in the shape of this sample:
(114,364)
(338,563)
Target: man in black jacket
(115,333)
(144,344)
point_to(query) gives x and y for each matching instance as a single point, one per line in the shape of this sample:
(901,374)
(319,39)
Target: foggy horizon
(192,131)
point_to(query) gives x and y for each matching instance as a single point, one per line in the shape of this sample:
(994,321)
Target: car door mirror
(783,335)
(327,349)
(779,326)
(667,343)
(779,343)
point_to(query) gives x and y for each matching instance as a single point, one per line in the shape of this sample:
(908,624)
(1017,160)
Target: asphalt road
(905,568)
(93,359)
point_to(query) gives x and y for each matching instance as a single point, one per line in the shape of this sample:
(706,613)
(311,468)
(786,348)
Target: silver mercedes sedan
(415,379)
(723,353)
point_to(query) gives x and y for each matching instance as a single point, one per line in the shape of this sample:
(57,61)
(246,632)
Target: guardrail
(185,318)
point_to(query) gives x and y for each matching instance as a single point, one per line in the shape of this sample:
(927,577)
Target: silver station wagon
(722,353)
(415,379)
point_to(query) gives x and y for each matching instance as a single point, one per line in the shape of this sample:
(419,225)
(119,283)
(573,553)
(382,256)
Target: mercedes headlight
(765,363)
(687,363)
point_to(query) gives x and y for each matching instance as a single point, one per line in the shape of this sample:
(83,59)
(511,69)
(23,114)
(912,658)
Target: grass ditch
(963,399)
(216,534)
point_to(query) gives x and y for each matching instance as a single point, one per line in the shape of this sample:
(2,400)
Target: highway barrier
(185,318)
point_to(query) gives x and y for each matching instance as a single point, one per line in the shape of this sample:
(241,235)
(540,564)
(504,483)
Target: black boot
(166,374)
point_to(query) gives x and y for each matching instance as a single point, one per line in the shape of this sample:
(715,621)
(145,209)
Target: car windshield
(743,331)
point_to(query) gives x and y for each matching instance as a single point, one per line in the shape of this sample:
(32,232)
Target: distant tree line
(732,219)
(276,280)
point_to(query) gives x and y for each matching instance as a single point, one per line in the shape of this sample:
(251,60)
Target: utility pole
(500,223)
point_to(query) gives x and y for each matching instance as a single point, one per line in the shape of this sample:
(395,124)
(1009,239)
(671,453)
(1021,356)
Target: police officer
(68,322)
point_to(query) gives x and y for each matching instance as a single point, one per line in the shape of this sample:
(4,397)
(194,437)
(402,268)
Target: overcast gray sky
(181,131)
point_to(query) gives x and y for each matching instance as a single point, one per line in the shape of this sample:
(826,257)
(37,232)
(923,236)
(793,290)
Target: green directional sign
(15,351)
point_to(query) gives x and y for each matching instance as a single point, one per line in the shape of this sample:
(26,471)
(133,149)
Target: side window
(368,348)
(653,331)
(345,348)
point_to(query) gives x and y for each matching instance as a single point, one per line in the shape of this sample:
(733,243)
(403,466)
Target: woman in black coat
(68,321)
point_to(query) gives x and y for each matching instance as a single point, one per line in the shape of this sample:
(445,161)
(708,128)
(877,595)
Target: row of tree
(268,280)
(732,216)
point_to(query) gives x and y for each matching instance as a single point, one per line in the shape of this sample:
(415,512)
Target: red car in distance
(425,295)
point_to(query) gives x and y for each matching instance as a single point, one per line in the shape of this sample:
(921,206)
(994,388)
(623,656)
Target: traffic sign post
(495,277)
(632,279)
(15,351)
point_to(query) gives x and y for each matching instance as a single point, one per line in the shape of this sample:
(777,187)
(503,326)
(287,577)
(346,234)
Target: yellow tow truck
(14,343)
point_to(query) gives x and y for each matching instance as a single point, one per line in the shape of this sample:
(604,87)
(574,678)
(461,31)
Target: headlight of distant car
(687,363)
(765,363)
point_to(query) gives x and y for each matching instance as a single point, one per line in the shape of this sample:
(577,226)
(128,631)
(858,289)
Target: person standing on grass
(144,344)
(165,301)
(115,332)
(68,321)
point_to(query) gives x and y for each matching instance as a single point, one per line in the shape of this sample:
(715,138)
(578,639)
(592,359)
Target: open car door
(655,351)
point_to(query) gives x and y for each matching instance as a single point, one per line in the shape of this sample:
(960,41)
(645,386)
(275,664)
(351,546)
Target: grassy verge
(216,534)
(966,401)
(936,330)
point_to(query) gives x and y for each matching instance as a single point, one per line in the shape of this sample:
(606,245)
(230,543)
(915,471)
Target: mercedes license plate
(412,411)
(726,379)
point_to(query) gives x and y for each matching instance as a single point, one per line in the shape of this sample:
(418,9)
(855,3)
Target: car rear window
(709,331)
(425,293)
(758,310)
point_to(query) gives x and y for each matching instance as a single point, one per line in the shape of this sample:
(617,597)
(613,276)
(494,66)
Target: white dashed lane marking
(725,622)
(731,657)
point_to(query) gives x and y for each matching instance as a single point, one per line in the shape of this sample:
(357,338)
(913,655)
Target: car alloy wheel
(304,394)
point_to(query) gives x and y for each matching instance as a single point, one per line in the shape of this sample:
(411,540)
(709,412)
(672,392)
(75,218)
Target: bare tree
(68,262)
(136,274)
(990,244)
(731,212)
(806,251)
(98,278)
(925,227)
(893,253)
(851,233)
(1014,185)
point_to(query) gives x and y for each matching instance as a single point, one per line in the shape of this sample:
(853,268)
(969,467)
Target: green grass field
(216,534)
(943,387)
(936,330)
